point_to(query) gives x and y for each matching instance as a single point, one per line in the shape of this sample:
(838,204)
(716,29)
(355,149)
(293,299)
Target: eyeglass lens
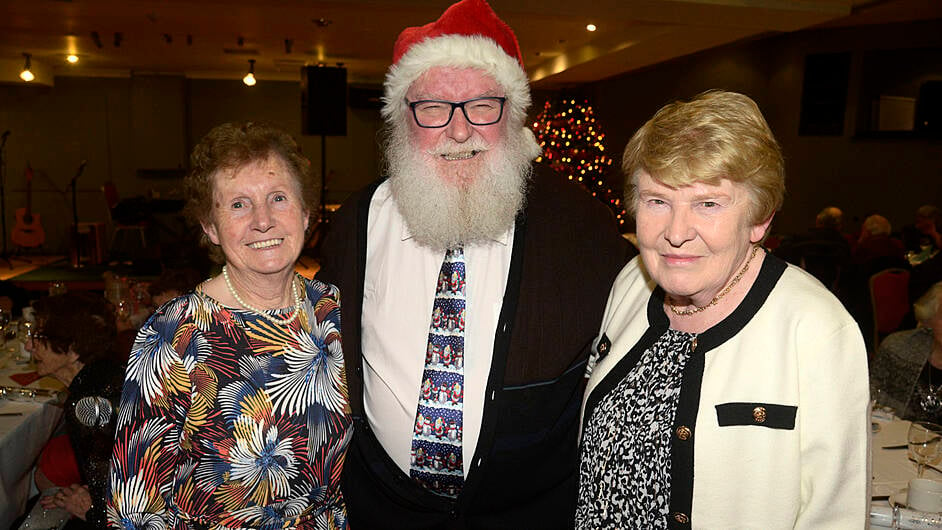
(478,111)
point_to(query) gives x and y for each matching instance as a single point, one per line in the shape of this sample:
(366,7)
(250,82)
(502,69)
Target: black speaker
(324,101)
(929,108)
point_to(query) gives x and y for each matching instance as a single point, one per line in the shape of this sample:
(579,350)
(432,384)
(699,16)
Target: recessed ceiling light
(72,58)
(590,27)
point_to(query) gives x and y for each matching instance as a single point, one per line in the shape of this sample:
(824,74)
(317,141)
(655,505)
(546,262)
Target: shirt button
(683,432)
(681,518)
(758,414)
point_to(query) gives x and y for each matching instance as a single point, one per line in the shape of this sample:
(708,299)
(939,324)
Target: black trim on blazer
(682,452)
(657,325)
(363,219)
(495,380)
(768,415)
(407,488)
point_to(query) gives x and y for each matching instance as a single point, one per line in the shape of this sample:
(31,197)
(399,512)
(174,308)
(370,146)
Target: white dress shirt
(398,295)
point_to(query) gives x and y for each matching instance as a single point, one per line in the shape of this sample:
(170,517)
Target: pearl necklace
(697,309)
(273,320)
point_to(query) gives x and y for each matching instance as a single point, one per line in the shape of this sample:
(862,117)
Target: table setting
(30,410)
(906,461)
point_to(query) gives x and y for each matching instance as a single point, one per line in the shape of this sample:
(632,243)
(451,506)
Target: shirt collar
(502,239)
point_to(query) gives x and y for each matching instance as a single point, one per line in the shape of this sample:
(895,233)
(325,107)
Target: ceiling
(216,38)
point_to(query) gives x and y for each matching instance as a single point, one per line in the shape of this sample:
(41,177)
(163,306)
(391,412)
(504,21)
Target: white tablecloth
(892,468)
(22,437)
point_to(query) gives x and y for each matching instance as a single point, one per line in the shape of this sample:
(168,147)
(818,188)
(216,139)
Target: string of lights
(573,145)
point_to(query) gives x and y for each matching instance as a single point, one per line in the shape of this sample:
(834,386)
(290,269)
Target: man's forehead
(454,83)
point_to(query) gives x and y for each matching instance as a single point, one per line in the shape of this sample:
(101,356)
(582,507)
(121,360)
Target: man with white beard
(473,285)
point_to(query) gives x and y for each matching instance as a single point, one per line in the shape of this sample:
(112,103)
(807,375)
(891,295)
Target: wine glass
(925,444)
(4,320)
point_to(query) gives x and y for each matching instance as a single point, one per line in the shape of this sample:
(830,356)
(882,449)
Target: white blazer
(775,403)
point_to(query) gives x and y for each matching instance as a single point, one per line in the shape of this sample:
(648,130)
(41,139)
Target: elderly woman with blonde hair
(728,389)
(906,374)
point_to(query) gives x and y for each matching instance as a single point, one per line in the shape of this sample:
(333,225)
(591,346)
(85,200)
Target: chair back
(110,192)
(889,296)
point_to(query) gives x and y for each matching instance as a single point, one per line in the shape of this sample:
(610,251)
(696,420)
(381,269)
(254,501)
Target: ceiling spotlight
(26,75)
(72,58)
(590,27)
(249,78)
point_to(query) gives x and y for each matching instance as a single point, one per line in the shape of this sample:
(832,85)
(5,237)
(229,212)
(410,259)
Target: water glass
(925,444)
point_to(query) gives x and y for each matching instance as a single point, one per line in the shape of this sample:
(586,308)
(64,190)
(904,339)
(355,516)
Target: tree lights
(573,145)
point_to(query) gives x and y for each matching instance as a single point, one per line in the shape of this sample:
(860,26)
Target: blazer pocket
(759,414)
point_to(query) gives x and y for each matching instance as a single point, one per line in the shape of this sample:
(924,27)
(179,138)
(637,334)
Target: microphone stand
(76,254)
(3,203)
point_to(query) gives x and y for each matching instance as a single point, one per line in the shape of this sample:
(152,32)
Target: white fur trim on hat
(460,51)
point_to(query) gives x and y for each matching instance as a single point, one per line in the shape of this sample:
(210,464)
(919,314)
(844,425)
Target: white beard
(442,212)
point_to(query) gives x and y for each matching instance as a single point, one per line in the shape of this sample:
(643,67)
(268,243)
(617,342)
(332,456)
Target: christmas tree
(572,143)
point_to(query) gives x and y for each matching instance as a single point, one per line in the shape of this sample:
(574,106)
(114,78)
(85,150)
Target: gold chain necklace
(273,320)
(697,309)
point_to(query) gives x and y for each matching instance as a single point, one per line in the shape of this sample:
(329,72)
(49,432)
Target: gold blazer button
(683,432)
(758,414)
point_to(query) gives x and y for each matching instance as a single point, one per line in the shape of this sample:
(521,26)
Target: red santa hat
(467,35)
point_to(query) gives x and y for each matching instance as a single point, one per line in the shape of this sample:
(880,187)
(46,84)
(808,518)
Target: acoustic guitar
(28,231)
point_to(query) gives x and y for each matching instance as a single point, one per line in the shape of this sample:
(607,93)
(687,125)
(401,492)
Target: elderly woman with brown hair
(728,389)
(72,342)
(235,410)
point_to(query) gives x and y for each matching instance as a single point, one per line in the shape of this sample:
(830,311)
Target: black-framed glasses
(434,113)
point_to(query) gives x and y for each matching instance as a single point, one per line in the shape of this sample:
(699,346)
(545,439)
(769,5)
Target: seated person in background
(823,251)
(923,236)
(72,343)
(12,298)
(926,258)
(876,248)
(906,372)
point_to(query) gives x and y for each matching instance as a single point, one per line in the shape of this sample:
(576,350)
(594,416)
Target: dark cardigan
(566,253)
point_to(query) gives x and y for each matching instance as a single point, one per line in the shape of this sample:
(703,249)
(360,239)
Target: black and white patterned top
(624,473)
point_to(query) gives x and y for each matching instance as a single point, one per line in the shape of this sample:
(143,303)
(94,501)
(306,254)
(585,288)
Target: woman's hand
(74,499)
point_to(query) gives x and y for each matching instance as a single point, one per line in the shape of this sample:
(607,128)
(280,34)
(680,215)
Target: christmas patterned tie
(436,443)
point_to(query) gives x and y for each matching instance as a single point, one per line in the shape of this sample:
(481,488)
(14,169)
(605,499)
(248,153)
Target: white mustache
(449,147)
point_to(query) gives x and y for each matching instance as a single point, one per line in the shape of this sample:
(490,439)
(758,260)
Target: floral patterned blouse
(228,420)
